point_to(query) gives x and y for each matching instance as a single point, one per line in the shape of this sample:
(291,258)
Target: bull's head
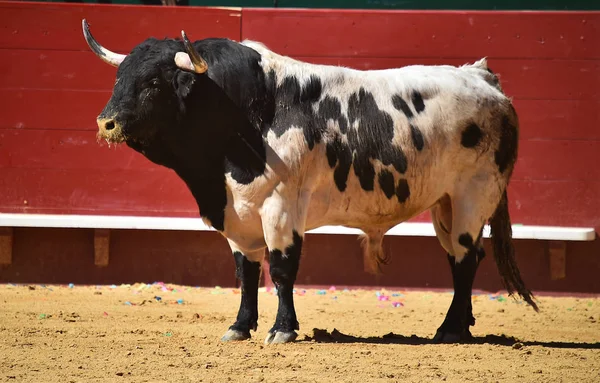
(151,86)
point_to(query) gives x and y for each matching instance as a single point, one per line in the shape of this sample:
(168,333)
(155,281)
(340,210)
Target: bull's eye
(154,82)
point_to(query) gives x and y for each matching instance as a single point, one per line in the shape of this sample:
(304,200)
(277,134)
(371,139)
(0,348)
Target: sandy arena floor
(124,333)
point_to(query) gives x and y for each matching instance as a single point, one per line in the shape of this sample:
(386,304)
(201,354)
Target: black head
(154,85)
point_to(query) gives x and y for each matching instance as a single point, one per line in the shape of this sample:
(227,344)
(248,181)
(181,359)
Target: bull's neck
(237,70)
(243,160)
(209,192)
(218,139)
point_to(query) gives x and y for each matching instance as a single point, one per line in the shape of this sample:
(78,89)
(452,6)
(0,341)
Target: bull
(271,147)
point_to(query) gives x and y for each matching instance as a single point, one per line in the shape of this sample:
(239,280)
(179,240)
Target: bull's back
(396,141)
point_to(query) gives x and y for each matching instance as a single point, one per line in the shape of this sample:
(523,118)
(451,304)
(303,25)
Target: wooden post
(558,259)
(101,247)
(6,245)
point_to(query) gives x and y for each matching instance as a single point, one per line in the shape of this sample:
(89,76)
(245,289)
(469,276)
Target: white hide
(298,191)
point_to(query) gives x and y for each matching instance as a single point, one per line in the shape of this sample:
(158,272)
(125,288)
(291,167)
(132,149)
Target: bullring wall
(52,87)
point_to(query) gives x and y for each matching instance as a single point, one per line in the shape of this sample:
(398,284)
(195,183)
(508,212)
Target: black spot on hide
(402,190)
(364,136)
(471,136)
(311,92)
(417,137)
(339,153)
(372,139)
(294,108)
(506,154)
(331,109)
(417,101)
(386,181)
(402,106)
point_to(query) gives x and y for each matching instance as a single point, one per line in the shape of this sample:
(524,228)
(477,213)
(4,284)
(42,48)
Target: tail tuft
(504,253)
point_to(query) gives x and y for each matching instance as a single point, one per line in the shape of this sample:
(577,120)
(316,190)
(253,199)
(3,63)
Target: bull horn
(200,66)
(112,58)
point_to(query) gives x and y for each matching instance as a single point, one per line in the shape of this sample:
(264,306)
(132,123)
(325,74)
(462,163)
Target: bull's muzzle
(110,130)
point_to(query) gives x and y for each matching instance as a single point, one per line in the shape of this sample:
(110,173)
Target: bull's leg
(460,314)
(460,236)
(283,264)
(283,220)
(248,272)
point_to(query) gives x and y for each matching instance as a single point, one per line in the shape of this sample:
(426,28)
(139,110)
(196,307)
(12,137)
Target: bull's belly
(366,210)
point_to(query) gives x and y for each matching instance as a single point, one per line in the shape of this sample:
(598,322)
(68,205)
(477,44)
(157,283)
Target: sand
(123,333)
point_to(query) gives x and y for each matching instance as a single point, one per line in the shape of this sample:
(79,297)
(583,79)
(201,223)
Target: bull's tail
(504,253)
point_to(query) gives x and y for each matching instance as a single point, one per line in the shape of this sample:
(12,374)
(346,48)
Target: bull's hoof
(446,337)
(442,336)
(280,337)
(235,335)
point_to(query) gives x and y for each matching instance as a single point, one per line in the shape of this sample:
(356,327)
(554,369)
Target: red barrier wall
(52,87)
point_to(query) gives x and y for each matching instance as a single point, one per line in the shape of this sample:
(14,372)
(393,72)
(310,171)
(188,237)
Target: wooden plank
(119,28)
(354,33)
(558,160)
(51,109)
(558,119)
(6,245)
(101,247)
(555,203)
(549,79)
(68,149)
(557,252)
(53,69)
(521,79)
(151,191)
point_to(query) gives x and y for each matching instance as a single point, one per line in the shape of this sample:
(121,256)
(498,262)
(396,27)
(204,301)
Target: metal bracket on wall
(557,251)
(101,247)
(6,245)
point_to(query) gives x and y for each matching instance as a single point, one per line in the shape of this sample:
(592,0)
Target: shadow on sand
(324,336)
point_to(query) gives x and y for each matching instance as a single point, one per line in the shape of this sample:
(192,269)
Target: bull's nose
(110,130)
(106,123)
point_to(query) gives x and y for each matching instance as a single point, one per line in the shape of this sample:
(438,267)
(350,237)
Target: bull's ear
(184,62)
(192,63)
(183,83)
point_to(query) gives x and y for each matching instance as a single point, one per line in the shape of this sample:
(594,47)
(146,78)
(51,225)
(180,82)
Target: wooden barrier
(52,87)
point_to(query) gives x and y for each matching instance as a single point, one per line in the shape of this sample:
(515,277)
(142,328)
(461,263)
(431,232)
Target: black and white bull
(271,147)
